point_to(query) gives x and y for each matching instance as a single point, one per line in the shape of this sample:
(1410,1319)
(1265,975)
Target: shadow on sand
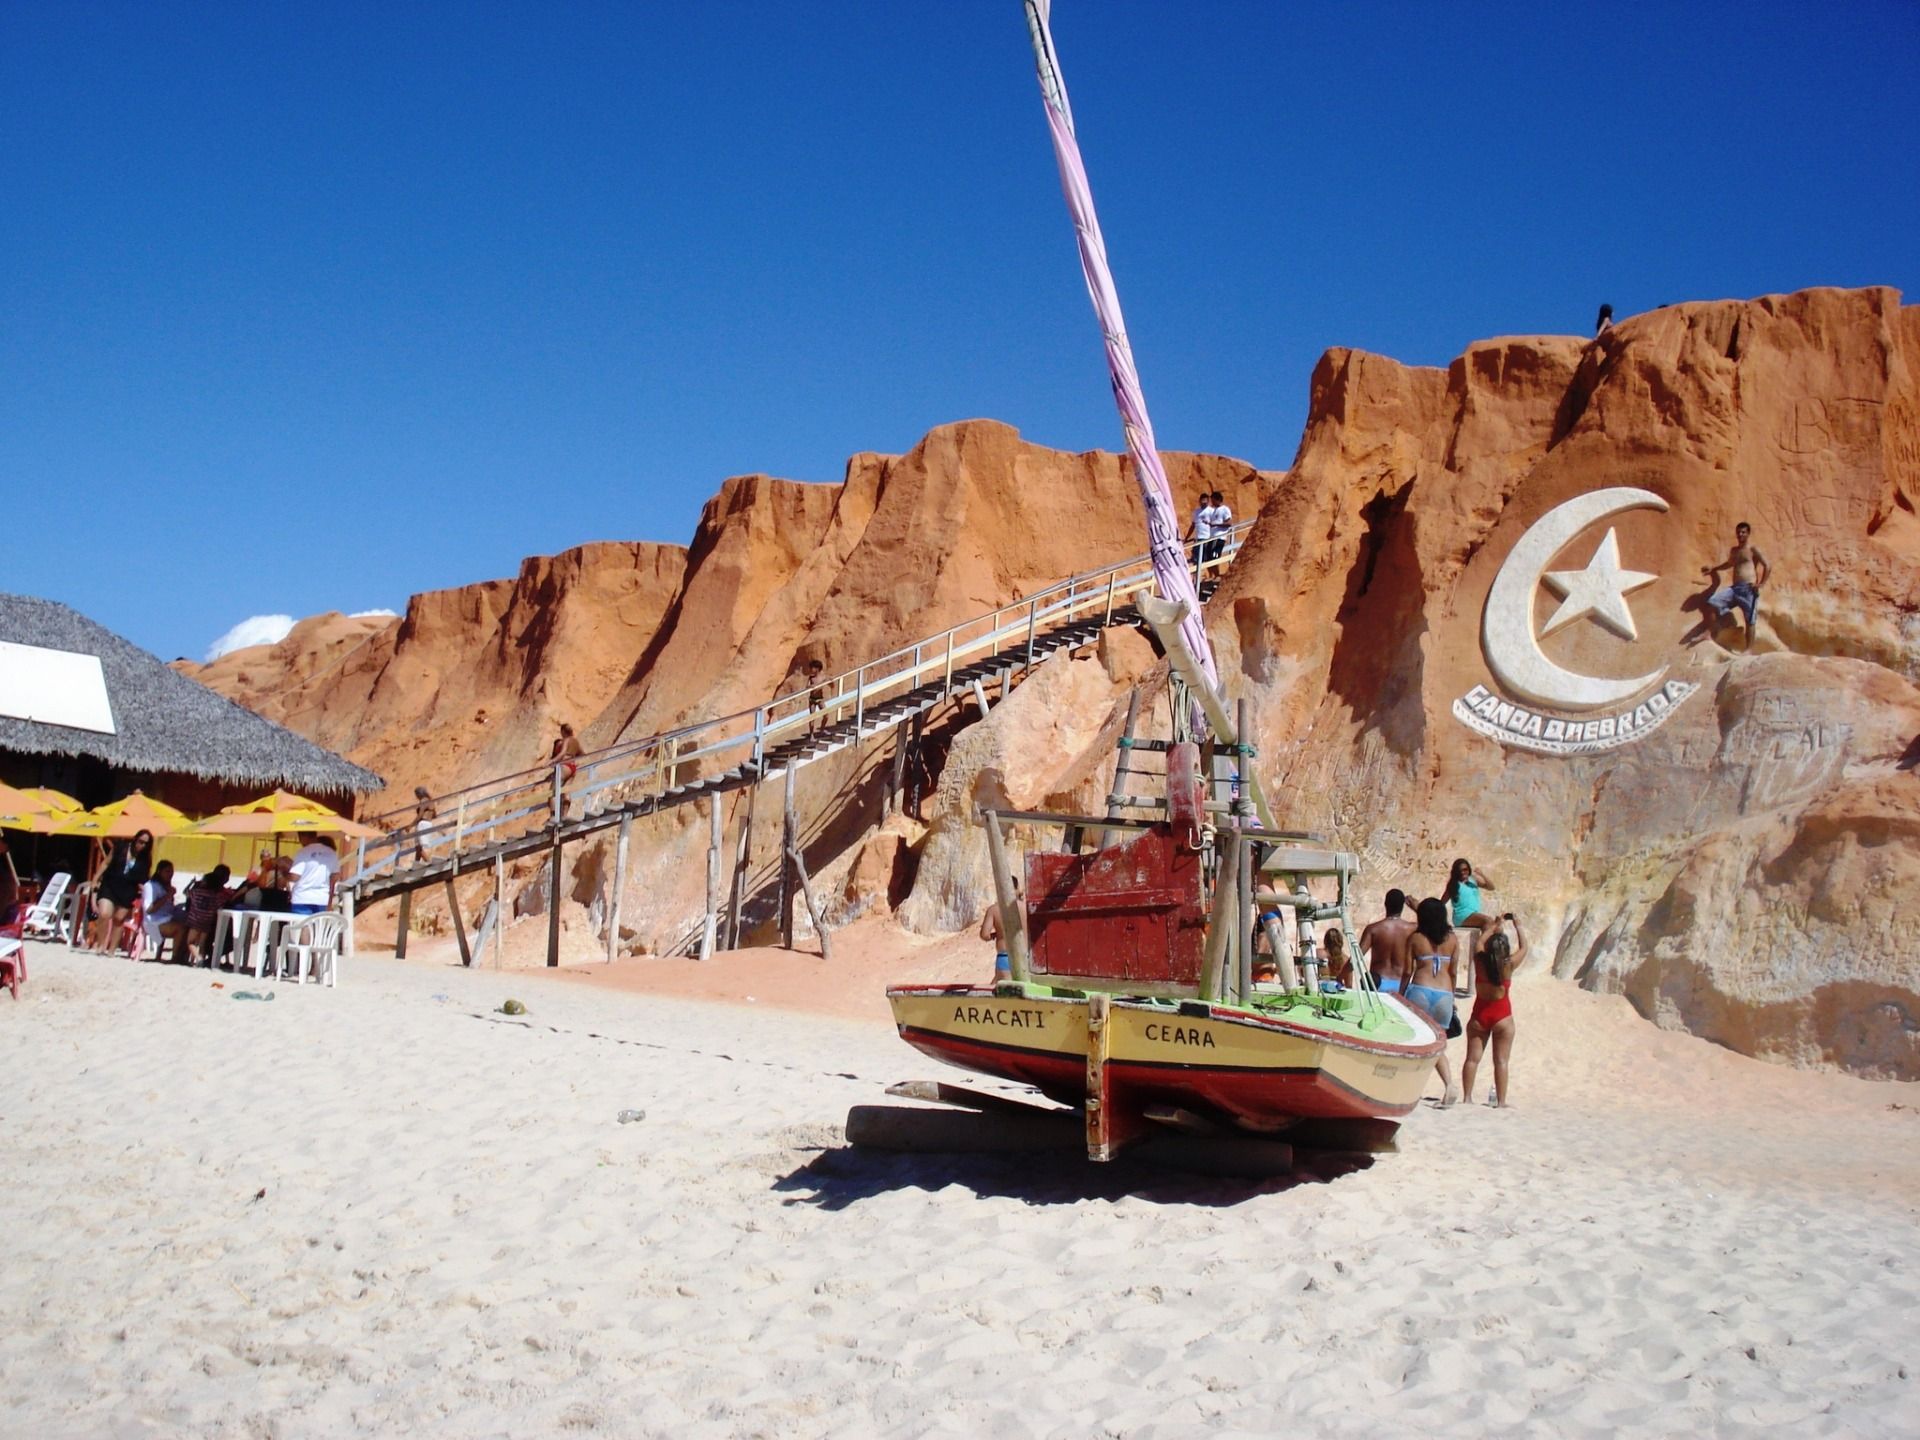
(842,1176)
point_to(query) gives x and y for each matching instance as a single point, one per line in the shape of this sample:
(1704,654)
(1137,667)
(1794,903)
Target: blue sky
(310,307)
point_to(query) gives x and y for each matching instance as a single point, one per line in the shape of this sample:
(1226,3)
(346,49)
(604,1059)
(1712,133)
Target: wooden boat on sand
(1132,993)
(1131,990)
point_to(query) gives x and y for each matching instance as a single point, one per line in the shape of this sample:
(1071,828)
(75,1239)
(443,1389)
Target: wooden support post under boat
(710,922)
(406,921)
(619,885)
(1110,1125)
(459,923)
(798,862)
(1213,963)
(787,850)
(1099,1142)
(1241,764)
(1122,767)
(500,903)
(1013,915)
(1243,913)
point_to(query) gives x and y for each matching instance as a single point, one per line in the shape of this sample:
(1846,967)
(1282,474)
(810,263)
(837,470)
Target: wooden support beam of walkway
(459,923)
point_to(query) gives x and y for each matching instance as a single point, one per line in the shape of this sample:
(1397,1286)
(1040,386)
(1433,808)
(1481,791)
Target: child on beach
(1492,1018)
(1338,964)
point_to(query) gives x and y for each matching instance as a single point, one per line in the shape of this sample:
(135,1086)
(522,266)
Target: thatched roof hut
(164,723)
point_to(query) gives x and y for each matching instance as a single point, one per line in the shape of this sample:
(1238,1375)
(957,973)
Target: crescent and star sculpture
(1507,631)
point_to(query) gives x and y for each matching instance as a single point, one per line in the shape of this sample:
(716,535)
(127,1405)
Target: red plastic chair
(133,933)
(13,956)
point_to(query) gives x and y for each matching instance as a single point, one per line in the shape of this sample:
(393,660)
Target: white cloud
(368,614)
(255,630)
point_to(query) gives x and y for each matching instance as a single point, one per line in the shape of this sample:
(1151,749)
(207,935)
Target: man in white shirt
(1201,531)
(1218,522)
(315,869)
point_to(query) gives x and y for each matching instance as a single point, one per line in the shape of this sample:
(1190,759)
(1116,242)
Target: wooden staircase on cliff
(512,817)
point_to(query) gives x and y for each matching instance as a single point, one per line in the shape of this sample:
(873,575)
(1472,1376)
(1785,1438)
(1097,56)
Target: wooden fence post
(710,922)
(500,900)
(742,867)
(619,886)
(897,779)
(797,862)
(553,894)
(788,847)
(459,922)
(917,775)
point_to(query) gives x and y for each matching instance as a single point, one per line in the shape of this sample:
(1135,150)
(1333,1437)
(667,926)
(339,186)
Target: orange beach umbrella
(33,809)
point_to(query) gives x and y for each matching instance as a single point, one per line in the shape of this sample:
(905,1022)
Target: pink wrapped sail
(1171,576)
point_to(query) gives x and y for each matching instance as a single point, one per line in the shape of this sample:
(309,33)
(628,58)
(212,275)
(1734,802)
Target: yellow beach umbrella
(277,803)
(124,818)
(281,813)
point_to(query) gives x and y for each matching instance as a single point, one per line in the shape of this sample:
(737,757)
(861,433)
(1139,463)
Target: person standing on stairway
(1220,525)
(566,754)
(816,696)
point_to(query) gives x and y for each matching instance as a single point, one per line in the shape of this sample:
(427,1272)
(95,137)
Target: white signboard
(54,687)
(1546,707)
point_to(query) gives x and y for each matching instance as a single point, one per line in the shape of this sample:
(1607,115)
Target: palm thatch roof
(166,723)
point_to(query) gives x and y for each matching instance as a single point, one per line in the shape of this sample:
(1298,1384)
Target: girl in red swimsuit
(1492,1019)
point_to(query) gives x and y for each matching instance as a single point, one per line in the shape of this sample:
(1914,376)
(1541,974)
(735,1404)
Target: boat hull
(1258,1071)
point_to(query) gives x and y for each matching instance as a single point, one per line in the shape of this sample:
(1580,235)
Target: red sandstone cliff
(470,682)
(1734,871)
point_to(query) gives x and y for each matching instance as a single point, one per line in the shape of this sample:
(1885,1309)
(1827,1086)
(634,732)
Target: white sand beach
(386,1209)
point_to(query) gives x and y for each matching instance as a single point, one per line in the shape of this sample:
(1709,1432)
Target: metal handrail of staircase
(651,768)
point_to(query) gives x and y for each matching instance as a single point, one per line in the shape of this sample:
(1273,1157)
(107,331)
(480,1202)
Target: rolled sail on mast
(1171,576)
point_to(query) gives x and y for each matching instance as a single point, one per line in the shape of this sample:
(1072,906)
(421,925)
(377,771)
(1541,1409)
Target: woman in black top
(117,886)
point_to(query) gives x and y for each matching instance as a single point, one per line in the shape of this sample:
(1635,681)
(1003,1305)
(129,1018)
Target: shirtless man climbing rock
(1748,570)
(1384,943)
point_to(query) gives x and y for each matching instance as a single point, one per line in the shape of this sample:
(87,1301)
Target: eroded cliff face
(972,517)
(1732,870)
(470,682)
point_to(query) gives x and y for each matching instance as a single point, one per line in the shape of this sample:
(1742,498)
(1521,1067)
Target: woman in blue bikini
(1463,897)
(1434,953)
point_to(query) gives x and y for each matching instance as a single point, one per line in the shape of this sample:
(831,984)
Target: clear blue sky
(307,307)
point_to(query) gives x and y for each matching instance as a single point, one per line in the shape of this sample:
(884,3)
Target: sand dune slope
(458,1237)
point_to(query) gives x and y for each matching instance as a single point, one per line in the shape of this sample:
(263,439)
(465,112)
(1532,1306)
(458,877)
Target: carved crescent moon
(1506,630)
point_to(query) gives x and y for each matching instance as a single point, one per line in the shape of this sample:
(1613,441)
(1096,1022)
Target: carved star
(1600,591)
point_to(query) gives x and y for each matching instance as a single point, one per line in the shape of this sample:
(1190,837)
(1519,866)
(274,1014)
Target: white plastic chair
(314,943)
(42,920)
